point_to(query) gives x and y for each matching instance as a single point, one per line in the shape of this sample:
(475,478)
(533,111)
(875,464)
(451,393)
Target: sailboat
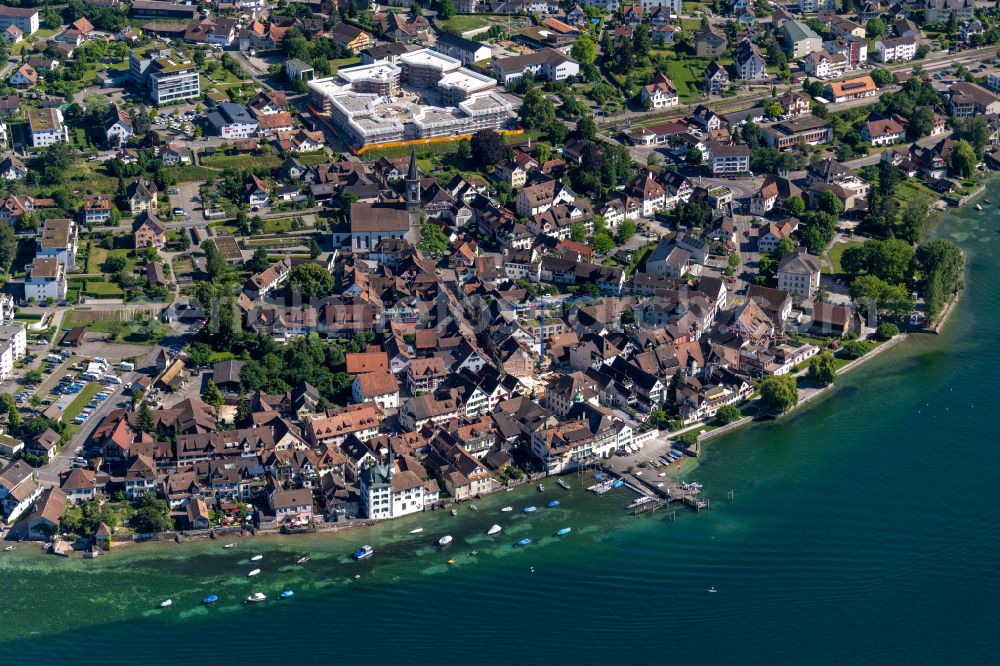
(494,530)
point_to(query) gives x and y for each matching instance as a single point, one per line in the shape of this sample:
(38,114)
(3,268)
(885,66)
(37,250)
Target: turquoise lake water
(862,531)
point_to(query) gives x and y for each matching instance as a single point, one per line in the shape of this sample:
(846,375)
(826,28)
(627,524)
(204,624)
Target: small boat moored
(454,512)
(302,560)
(562,484)
(417,530)
(256,597)
(256,558)
(287,594)
(254,572)
(451,561)
(523,542)
(553,503)
(363,553)
(507,509)
(473,507)
(210,599)
(618,484)
(541,487)
(530,509)
(166,602)
(564,531)
(230,545)
(494,530)
(445,540)
(9,548)
(978,207)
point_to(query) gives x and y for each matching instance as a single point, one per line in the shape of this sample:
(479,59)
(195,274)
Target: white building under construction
(424,95)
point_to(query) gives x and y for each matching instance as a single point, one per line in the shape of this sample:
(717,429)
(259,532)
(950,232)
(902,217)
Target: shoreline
(667,443)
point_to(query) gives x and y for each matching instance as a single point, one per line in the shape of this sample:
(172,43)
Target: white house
(46,279)
(896,49)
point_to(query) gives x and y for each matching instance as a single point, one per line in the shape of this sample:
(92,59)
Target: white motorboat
(254,572)
(256,558)
(507,509)
(445,540)
(494,530)
(256,597)
(417,531)
(166,602)
(302,560)
(230,545)
(9,548)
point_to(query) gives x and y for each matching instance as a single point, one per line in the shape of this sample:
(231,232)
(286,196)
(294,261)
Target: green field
(80,402)
(836,253)
(222,161)
(461,23)
(336,64)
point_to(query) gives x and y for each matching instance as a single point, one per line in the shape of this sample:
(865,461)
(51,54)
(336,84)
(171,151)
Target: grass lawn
(314,158)
(685,74)
(91,177)
(837,252)
(279,225)
(98,255)
(337,63)
(74,408)
(188,172)
(221,161)
(100,289)
(461,23)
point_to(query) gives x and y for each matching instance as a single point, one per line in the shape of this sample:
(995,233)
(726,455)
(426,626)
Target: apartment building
(46,126)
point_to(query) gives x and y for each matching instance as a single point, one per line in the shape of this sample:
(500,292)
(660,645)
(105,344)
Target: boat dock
(655,492)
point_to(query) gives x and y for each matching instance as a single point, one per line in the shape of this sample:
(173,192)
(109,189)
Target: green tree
(8,246)
(152,516)
(886,331)
(830,203)
(488,148)
(779,393)
(728,414)
(215,263)
(626,229)
(537,111)
(244,413)
(785,246)
(922,123)
(881,77)
(854,349)
(146,422)
(433,242)
(446,9)
(602,243)
(212,395)
(584,49)
(822,368)
(311,281)
(586,128)
(976,131)
(693,157)
(875,28)
(795,205)
(578,232)
(962,159)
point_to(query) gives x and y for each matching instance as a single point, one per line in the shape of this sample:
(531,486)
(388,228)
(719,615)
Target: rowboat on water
(563,484)
(473,507)
(210,599)
(523,542)
(494,530)
(553,503)
(564,531)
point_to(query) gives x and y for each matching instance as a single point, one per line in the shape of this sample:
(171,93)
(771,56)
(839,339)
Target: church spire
(411,174)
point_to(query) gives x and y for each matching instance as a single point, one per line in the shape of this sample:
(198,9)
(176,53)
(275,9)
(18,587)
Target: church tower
(413,198)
